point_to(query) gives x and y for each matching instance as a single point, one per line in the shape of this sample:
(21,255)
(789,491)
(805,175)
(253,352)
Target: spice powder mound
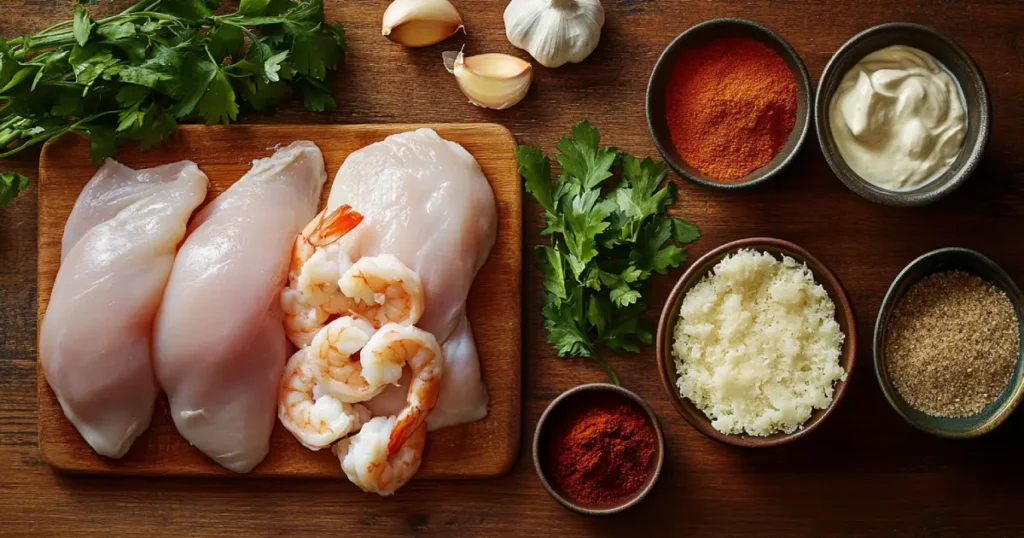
(600,449)
(952,344)
(730,106)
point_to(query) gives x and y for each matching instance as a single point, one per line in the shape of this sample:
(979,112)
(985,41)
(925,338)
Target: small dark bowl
(964,70)
(670,317)
(936,261)
(539,440)
(698,36)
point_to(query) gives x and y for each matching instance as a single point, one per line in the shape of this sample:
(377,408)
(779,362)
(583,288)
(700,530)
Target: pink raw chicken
(220,346)
(426,201)
(119,245)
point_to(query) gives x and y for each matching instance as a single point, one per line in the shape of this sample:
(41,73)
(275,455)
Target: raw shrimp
(304,299)
(369,463)
(333,358)
(382,359)
(316,420)
(383,290)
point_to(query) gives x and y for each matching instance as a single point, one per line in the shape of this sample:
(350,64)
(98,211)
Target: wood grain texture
(863,473)
(486,448)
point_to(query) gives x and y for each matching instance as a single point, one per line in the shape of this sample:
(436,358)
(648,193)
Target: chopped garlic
(757,345)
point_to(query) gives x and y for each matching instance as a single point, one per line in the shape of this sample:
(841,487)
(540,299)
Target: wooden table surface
(864,472)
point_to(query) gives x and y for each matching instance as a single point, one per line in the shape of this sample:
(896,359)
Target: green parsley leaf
(272,67)
(115,32)
(582,162)
(190,10)
(102,143)
(316,96)
(90,61)
(264,96)
(201,74)
(684,232)
(314,50)
(156,129)
(10,185)
(82,25)
(225,41)
(605,242)
(129,77)
(218,103)
(20,76)
(264,8)
(553,268)
(536,170)
(639,197)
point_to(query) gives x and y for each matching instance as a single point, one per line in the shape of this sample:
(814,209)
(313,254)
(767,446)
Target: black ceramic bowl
(955,59)
(698,36)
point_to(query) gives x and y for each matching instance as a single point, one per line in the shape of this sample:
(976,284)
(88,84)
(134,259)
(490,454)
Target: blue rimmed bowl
(936,261)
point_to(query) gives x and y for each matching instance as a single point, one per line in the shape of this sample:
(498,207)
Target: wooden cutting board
(485,448)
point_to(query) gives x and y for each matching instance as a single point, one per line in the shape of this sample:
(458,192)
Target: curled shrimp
(316,420)
(369,463)
(303,301)
(383,290)
(382,359)
(334,359)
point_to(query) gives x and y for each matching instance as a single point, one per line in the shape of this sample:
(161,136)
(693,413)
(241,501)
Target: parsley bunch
(132,77)
(607,238)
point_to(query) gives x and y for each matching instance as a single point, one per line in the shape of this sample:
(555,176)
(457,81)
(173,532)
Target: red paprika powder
(600,448)
(731,106)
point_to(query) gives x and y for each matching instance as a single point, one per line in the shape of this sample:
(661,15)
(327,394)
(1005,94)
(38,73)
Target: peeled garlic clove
(419,23)
(496,81)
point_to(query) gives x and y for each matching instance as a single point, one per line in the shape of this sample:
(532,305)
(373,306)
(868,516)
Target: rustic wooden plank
(486,448)
(863,473)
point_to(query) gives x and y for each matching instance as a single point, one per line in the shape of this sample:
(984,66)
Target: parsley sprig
(607,238)
(131,77)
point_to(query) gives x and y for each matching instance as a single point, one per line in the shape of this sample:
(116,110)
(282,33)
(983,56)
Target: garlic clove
(493,80)
(419,23)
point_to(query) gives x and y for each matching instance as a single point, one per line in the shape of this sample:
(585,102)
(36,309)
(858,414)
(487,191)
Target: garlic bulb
(419,23)
(555,31)
(496,81)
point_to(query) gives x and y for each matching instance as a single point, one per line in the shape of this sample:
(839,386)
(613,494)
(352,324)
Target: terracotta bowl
(540,444)
(670,316)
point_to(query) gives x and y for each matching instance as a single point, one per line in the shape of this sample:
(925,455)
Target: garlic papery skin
(555,31)
(420,23)
(496,81)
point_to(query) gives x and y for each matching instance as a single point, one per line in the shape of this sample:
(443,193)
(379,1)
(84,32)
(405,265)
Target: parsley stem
(48,135)
(607,368)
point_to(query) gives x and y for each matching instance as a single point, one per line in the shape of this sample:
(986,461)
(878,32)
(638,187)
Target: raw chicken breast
(219,345)
(96,335)
(113,188)
(426,201)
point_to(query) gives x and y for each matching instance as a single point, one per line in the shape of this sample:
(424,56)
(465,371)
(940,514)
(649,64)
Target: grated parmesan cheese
(757,345)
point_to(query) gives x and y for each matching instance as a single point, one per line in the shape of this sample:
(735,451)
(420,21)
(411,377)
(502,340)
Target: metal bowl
(960,65)
(697,36)
(540,440)
(670,316)
(946,259)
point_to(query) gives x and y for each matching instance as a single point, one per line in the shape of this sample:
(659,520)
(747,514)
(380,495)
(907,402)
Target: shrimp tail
(413,417)
(334,226)
(405,431)
(405,426)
